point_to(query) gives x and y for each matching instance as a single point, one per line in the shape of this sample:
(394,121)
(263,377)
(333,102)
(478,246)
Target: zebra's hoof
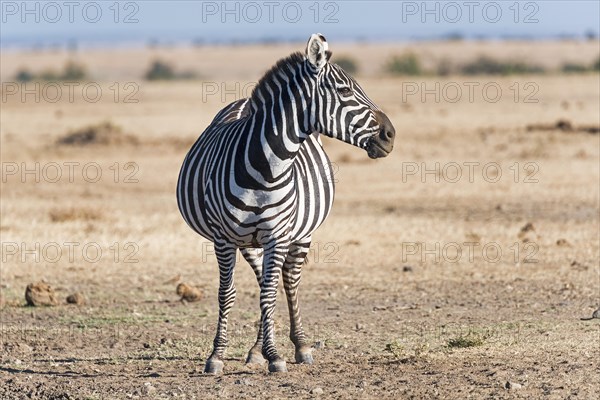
(277,366)
(255,358)
(213,366)
(304,357)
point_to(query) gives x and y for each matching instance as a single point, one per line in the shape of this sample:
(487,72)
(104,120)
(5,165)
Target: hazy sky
(127,22)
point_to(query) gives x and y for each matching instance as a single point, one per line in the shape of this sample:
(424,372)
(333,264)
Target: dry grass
(73,214)
(356,296)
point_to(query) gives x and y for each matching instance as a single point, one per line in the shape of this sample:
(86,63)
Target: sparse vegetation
(105,133)
(470,340)
(72,72)
(72,214)
(572,68)
(596,66)
(160,71)
(395,348)
(444,67)
(488,66)
(404,64)
(163,71)
(348,64)
(24,75)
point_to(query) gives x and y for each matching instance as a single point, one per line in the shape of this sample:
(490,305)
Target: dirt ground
(459,267)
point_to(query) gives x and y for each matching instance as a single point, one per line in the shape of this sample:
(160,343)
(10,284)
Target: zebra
(258,178)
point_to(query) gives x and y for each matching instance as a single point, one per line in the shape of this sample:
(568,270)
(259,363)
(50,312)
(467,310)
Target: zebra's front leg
(292,270)
(255,259)
(274,257)
(225,253)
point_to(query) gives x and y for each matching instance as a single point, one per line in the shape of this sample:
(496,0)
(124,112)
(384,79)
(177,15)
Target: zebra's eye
(345,91)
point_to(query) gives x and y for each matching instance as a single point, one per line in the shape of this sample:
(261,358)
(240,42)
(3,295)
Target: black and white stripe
(258,177)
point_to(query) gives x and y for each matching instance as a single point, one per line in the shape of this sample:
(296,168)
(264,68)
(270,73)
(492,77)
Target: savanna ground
(419,285)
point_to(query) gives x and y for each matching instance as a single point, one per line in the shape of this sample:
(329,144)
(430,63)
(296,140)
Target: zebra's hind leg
(255,259)
(292,270)
(274,257)
(225,253)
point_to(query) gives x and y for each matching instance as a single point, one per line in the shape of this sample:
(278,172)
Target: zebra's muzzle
(382,143)
(375,150)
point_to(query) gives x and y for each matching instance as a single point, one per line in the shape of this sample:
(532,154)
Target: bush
(571,68)
(23,75)
(488,66)
(347,64)
(72,72)
(596,66)
(444,67)
(160,70)
(404,64)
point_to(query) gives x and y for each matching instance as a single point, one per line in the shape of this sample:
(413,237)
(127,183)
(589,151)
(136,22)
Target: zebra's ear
(317,51)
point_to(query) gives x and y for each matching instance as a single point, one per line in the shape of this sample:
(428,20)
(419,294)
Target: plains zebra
(258,177)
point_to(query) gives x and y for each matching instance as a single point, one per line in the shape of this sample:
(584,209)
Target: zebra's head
(341,109)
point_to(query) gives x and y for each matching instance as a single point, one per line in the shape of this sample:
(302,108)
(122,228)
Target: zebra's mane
(292,60)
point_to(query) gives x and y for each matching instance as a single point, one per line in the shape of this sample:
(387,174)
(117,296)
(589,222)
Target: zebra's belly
(300,207)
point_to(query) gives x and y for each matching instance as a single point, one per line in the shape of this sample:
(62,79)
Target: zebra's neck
(280,119)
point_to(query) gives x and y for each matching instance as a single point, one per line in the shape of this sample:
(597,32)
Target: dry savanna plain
(464,265)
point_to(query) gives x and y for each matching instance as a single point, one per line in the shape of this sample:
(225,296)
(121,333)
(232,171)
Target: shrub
(347,64)
(596,66)
(462,342)
(444,67)
(23,75)
(73,72)
(488,66)
(571,68)
(160,70)
(404,64)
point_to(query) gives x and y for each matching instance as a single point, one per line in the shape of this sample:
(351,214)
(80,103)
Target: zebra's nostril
(386,135)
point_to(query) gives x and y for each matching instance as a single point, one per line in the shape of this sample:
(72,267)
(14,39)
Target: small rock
(189,293)
(317,391)
(76,298)
(512,385)
(407,268)
(564,125)
(40,294)
(528,227)
(526,232)
(359,327)
(319,345)
(579,266)
(148,389)
(595,315)
(562,242)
